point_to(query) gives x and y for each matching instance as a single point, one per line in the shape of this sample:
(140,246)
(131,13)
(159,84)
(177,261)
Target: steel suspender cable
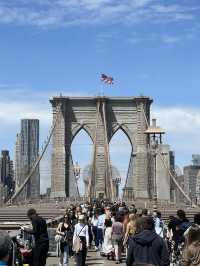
(174,179)
(93,176)
(167,168)
(109,172)
(36,164)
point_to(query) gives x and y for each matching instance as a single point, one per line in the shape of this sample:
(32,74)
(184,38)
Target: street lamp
(77,171)
(154,134)
(117,182)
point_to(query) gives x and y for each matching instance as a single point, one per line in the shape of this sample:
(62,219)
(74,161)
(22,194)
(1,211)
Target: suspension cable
(127,175)
(93,176)
(107,153)
(76,183)
(36,164)
(168,169)
(174,179)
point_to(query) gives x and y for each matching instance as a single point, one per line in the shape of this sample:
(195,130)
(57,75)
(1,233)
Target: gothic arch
(78,128)
(126,131)
(115,113)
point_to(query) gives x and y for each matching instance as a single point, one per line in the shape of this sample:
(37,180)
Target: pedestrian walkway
(93,258)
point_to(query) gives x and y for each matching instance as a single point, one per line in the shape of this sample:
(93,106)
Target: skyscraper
(6,173)
(27,150)
(191,176)
(17,160)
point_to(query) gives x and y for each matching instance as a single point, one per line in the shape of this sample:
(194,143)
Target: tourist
(130,229)
(78,212)
(191,253)
(100,228)
(39,231)
(81,232)
(5,248)
(125,219)
(159,225)
(178,225)
(107,249)
(117,237)
(144,213)
(133,209)
(196,222)
(94,222)
(147,246)
(64,229)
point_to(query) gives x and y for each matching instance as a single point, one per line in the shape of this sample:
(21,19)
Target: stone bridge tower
(100,117)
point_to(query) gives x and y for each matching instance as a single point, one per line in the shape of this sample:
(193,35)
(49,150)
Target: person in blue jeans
(94,222)
(64,229)
(100,229)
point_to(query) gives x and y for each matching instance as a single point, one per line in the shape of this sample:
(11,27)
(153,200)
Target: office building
(27,150)
(191,172)
(6,174)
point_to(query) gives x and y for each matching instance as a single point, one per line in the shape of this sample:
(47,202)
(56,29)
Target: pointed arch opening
(81,153)
(120,149)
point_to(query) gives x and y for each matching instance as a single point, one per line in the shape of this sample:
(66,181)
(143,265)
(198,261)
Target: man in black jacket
(40,234)
(147,246)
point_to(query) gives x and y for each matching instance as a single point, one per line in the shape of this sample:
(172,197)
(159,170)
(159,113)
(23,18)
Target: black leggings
(81,255)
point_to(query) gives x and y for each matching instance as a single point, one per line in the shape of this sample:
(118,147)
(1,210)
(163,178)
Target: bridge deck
(93,258)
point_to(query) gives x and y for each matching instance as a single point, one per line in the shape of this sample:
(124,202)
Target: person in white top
(100,228)
(81,230)
(94,222)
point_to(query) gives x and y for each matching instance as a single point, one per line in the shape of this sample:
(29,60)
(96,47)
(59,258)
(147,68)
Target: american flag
(106,79)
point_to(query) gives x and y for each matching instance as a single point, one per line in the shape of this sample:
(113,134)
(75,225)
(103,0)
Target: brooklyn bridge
(101,117)
(149,179)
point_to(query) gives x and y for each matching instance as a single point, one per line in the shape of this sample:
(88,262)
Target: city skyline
(150,47)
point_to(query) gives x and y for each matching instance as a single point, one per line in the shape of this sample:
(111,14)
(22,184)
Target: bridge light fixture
(154,134)
(77,170)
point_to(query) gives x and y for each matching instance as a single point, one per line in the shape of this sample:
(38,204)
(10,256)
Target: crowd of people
(139,235)
(119,233)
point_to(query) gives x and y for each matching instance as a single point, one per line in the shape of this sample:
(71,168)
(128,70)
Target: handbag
(77,243)
(58,238)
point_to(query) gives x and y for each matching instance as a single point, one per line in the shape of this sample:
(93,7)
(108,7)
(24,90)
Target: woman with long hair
(130,229)
(107,244)
(64,229)
(191,253)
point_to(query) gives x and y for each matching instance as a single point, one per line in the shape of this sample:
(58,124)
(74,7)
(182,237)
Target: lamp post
(154,134)
(77,171)
(117,182)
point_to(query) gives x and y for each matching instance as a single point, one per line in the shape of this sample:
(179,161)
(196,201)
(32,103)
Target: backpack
(77,244)
(184,226)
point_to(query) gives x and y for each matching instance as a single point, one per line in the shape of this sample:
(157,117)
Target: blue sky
(150,47)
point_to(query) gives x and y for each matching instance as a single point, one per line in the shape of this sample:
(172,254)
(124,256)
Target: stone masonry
(100,117)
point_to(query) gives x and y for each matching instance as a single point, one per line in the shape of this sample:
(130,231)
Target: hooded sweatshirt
(147,247)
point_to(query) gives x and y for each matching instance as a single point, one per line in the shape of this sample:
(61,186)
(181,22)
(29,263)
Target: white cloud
(21,103)
(170,39)
(178,120)
(48,13)
(182,126)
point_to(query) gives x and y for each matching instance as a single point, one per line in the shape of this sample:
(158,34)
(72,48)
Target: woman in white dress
(107,244)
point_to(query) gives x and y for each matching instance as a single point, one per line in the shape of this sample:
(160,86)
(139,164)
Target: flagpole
(102,89)
(105,80)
